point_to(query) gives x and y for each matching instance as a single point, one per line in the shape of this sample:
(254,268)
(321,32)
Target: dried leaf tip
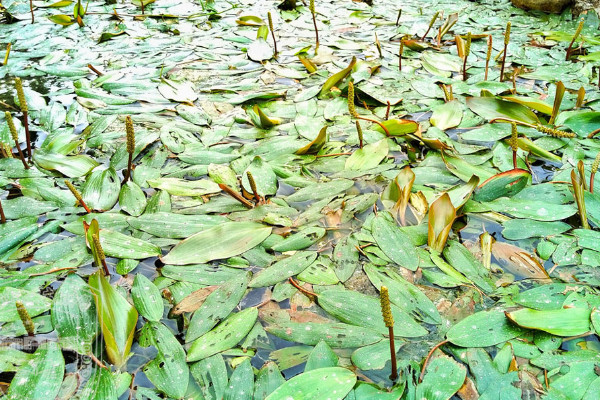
(21,94)
(386,309)
(25,318)
(507,34)
(351,107)
(130,135)
(11,126)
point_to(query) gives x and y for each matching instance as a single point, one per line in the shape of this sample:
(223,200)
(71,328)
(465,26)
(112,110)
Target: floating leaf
(491,107)
(74,315)
(448,115)
(336,335)
(395,243)
(146,298)
(483,329)
(398,127)
(442,380)
(361,310)
(235,238)
(504,184)
(368,157)
(40,378)
(168,371)
(226,335)
(283,269)
(325,383)
(217,306)
(570,321)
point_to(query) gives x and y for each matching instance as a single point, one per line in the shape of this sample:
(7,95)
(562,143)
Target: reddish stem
(2,216)
(394,374)
(27,135)
(437,346)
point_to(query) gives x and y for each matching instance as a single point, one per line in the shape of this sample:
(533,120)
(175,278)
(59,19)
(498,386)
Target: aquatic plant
(506,41)
(388,319)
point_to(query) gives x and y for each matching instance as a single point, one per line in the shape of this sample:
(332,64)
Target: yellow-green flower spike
(75,192)
(351,107)
(386,309)
(270,21)
(489,48)
(130,135)
(468,45)
(578,30)
(513,137)
(253,185)
(507,34)
(21,94)
(25,318)
(554,132)
(359,133)
(311,6)
(11,126)
(596,163)
(6,150)
(98,247)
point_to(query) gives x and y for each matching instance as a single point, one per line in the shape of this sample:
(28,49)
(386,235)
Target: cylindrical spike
(351,107)
(25,318)
(386,309)
(21,95)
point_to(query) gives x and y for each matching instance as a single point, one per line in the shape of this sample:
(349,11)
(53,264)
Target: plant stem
(235,195)
(8,46)
(31,8)
(360,134)
(387,111)
(27,134)
(398,17)
(129,165)
(488,56)
(430,24)
(506,40)
(387,132)
(2,216)
(437,346)
(314,18)
(272,32)
(394,374)
(94,70)
(305,292)
(400,54)
(21,155)
(577,32)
